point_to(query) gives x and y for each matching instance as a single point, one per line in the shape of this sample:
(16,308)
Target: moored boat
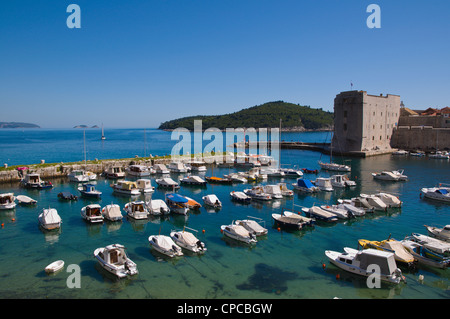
(136,210)
(49,219)
(193,180)
(89,190)
(252,226)
(239,233)
(291,220)
(441,193)
(33,181)
(212,201)
(167,182)
(177,203)
(305,185)
(157,207)
(25,200)
(240,197)
(92,213)
(113,258)
(115,172)
(390,245)
(7,201)
(126,188)
(320,214)
(188,241)
(165,245)
(54,267)
(358,262)
(440,233)
(138,170)
(112,212)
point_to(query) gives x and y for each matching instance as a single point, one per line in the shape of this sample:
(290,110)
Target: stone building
(364,123)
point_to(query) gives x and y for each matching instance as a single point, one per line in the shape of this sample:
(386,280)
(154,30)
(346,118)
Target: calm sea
(285,265)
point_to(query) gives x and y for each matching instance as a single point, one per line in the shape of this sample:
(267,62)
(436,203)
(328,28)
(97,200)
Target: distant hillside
(17,125)
(85,126)
(267,115)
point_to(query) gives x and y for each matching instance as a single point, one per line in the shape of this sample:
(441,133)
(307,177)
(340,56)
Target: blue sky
(140,63)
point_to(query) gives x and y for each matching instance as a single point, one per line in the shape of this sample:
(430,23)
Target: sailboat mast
(84,143)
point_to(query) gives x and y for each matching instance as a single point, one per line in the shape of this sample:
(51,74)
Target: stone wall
(424,138)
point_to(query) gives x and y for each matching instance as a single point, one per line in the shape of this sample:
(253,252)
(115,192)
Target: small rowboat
(25,200)
(54,266)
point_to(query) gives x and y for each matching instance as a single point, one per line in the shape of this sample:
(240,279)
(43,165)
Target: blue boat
(88,190)
(305,185)
(177,203)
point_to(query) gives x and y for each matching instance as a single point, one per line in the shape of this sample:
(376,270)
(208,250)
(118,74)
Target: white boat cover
(434,244)
(188,238)
(157,204)
(240,195)
(165,242)
(112,211)
(168,181)
(399,249)
(25,199)
(50,216)
(251,224)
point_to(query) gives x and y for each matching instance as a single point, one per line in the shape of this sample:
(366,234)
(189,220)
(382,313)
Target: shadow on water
(268,279)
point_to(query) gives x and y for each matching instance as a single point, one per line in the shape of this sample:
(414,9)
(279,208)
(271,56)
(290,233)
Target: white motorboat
(89,190)
(193,180)
(78,176)
(340,212)
(167,182)
(252,226)
(440,193)
(239,233)
(291,172)
(400,152)
(136,210)
(112,212)
(324,184)
(212,201)
(92,213)
(160,169)
(285,191)
(375,201)
(177,203)
(386,176)
(49,219)
(188,241)
(177,167)
(240,197)
(157,207)
(439,233)
(34,181)
(439,155)
(54,267)
(165,245)
(145,186)
(92,176)
(236,178)
(353,210)
(7,201)
(272,172)
(138,170)
(115,172)
(257,193)
(420,253)
(334,167)
(25,200)
(114,259)
(389,199)
(291,220)
(358,202)
(358,262)
(319,214)
(197,166)
(273,190)
(399,173)
(341,181)
(305,185)
(439,246)
(126,188)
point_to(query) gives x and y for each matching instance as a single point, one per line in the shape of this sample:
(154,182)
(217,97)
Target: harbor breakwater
(61,170)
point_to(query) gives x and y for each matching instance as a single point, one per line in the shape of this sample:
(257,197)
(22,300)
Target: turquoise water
(286,265)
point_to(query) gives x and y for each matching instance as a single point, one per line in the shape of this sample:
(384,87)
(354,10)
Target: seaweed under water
(268,279)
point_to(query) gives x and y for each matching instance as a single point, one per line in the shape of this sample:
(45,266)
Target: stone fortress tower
(364,123)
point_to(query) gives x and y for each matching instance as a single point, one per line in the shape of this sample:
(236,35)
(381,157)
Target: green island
(294,117)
